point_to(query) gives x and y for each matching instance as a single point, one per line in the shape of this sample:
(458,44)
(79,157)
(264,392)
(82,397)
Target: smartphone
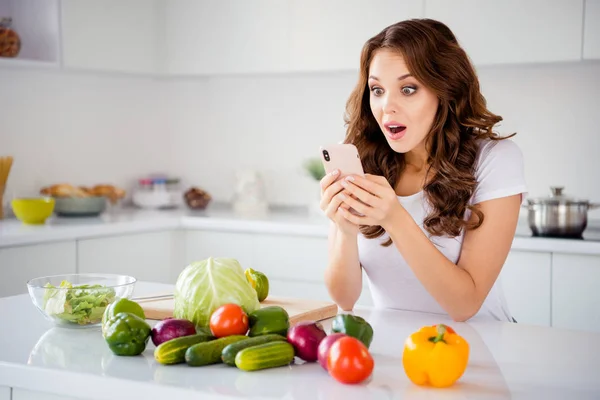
(343,157)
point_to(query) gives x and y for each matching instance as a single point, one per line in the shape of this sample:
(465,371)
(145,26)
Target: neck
(417,158)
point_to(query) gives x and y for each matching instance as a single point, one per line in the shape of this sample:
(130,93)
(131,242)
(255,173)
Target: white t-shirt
(499,173)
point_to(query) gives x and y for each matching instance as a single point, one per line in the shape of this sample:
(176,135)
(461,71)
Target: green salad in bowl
(78,300)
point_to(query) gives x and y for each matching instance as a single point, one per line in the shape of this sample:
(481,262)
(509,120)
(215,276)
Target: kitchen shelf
(38,25)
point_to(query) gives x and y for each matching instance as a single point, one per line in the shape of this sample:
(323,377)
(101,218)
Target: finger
(359,193)
(329,179)
(357,205)
(334,204)
(376,188)
(328,194)
(355,219)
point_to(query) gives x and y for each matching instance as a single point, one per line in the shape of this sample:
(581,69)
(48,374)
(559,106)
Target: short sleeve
(500,171)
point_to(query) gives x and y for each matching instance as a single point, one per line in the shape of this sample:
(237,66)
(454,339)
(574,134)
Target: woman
(441,196)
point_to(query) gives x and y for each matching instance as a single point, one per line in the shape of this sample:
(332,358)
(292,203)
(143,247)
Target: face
(403,107)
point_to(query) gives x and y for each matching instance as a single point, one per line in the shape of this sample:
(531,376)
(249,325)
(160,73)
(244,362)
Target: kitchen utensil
(558,215)
(33,211)
(80,206)
(5,166)
(249,199)
(298,309)
(59,304)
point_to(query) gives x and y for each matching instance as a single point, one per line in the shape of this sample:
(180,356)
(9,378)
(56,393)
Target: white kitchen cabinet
(22,263)
(226,36)
(575,294)
(145,256)
(4,393)
(526,281)
(310,290)
(513,31)
(291,257)
(113,35)
(24,394)
(329,35)
(200,245)
(591,30)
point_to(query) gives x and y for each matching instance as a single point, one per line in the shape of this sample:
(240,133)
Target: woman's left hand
(378,202)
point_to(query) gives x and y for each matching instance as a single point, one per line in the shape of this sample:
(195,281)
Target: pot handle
(591,206)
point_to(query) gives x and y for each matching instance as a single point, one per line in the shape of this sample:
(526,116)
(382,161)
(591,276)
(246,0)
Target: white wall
(85,128)
(80,128)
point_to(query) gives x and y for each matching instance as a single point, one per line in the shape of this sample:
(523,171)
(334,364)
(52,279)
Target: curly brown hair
(434,57)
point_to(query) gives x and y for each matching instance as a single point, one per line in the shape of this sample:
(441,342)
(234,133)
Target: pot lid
(558,197)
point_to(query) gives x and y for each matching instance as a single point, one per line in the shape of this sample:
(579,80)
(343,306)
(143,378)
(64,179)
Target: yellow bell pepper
(435,355)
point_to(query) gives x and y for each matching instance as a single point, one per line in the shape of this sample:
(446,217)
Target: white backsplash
(87,128)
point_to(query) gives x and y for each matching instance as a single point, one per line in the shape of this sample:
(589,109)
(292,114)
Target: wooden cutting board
(298,309)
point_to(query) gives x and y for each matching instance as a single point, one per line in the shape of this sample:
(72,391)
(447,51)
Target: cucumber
(228,354)
(268,355)
(210,352)
(173,351)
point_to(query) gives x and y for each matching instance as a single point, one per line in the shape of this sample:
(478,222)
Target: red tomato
(349,361)
(227,320)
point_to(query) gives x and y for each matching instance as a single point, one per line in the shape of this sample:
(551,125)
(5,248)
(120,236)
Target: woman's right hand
(332,195)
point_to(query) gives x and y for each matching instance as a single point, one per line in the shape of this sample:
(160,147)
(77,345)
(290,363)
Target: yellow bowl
(33,210)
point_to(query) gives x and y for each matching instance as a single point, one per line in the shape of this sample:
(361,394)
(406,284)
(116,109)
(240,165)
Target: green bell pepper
(353,325)
(127,334)
(266,320)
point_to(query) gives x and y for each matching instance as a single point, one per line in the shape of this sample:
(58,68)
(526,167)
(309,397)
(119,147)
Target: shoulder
(499,170)
(502,152)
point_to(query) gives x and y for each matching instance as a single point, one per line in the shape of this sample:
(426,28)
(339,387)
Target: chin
(400,146)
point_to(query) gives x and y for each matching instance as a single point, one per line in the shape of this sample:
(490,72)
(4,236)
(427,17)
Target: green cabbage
(204,286)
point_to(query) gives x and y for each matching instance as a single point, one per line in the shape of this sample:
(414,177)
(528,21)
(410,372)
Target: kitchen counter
(282,220)
(506,361)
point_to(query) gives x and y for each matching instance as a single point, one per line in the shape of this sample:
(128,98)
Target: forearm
(451,286)
(343,276)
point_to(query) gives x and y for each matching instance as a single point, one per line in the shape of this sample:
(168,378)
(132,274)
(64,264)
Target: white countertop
(291,221)
(507,361)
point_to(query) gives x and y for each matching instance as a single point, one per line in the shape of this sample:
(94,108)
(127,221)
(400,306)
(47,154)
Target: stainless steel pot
(558,215)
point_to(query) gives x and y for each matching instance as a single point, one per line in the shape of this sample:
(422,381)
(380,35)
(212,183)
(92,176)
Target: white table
(507,361)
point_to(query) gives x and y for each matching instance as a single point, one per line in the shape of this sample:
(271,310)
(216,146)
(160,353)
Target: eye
(408,90)
(377,91)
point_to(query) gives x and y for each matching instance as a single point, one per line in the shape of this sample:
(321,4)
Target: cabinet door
(525,279)
(291,257)
(329,35)
(5,393)
(146,256)
(575,294)
(226,36)
(24,394)
(513,31)
(20,264)
(591,31)
(112,35)
(200,245)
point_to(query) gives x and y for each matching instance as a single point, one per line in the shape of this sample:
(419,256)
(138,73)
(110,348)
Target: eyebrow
(399,78)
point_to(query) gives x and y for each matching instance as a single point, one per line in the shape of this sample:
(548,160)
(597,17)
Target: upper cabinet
(329,35)
(214,37)
(226,36)
(514,31)
(591,30)
(36,24)
(113,35)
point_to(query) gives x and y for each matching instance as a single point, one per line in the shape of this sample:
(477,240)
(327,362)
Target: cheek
(375,108)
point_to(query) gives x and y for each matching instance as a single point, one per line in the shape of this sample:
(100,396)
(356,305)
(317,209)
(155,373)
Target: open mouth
(395,130)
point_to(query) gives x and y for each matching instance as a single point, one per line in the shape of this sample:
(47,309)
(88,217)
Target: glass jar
(10,42)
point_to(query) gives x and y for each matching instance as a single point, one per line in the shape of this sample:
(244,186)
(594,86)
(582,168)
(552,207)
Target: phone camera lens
(326,155)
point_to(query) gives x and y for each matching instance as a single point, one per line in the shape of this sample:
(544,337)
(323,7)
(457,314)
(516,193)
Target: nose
(390,104)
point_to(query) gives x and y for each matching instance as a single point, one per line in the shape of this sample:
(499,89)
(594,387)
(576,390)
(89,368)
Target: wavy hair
(434,57)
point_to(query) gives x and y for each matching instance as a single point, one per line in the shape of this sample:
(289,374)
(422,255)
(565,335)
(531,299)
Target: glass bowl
(78,300)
